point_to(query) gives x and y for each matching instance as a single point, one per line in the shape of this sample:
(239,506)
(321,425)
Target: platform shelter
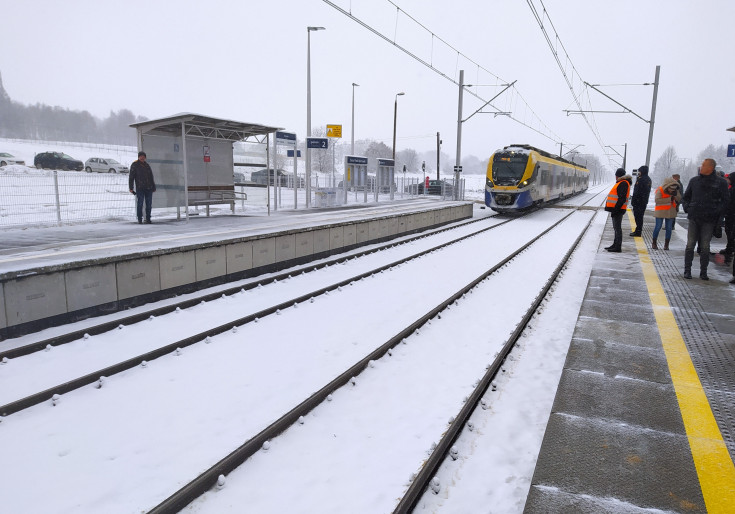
(191,156)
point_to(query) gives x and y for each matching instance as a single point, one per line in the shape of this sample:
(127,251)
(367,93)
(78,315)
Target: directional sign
(285,138)
(317,142)
(731,150)
(289,153)
(353,159)
(334,130)
(386,162)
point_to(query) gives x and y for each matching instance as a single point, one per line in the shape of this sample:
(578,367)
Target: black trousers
(617,223)
(638,215)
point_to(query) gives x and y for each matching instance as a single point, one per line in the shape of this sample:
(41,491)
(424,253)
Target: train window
(508,170)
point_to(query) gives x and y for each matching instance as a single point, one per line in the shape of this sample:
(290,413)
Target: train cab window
(508,169)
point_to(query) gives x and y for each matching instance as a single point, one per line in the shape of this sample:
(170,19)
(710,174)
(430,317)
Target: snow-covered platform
(55,275)
(644,416)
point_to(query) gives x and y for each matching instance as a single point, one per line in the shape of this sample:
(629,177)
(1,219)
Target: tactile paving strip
(713,360)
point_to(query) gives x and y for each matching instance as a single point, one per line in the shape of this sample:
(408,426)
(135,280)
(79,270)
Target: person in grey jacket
(141,178)
(704,202)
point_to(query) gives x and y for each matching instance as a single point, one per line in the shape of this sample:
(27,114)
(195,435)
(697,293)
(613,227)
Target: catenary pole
(653,116)
(459,136)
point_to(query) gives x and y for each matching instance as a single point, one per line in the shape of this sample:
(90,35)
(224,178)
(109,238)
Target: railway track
(206,480)
(94,375)
(210,478)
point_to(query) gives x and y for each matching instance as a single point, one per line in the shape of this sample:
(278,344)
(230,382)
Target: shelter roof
(197,125)
(731,129)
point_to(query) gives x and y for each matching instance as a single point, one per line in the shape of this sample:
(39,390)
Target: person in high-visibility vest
(667,198)
(616,204)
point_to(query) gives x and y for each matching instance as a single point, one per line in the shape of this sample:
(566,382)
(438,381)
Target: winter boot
(654,245)
(666,244)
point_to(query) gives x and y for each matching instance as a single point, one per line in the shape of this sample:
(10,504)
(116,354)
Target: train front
(509,186)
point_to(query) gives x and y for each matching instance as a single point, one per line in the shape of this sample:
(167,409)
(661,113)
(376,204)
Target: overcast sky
(246,61)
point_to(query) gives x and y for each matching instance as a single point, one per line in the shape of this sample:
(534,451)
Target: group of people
(709,202)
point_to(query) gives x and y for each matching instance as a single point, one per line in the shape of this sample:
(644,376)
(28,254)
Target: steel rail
(36,398)
(424,477)
(107,326)
(208,479)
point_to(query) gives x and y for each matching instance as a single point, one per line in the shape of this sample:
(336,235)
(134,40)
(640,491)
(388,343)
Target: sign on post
(334,130)
(731,150)
(458,169)
(285,138)
(317,142)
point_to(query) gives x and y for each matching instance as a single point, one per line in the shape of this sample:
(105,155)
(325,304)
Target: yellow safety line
(712,460)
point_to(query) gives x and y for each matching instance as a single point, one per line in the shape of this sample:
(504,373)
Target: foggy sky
(246,61)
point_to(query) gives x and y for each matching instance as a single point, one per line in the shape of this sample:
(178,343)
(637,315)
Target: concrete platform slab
(177,269)
(90,286)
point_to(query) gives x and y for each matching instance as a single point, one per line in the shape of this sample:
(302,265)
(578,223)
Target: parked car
(265,176)
(285,179)
(6,158)
(104,165)
(57,161)
(436,187)
(238,177)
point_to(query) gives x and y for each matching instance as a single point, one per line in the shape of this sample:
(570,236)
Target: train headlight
(524,183)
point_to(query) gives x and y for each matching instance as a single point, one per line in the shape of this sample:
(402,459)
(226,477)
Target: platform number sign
(731,150)
(317,142)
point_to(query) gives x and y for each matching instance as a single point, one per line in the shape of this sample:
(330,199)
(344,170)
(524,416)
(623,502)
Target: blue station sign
(285,138)
(351,159)
(731,150)
(386,162)
(317,142)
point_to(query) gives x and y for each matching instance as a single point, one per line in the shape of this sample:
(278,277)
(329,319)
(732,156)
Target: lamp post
(308,110)
(395,116)
(352,147)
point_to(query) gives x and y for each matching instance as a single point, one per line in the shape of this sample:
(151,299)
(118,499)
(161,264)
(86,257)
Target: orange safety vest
(667,205)
(612,197)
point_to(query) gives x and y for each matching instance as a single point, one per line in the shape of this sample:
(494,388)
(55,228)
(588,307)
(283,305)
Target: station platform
(644,415)
(51,276)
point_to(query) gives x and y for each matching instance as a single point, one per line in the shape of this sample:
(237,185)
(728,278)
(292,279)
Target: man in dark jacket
(616,205)
(639,200)
(704,202)
(141,176)
(730,220)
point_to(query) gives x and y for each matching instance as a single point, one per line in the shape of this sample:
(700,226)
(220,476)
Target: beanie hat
(643,170)
(620,172)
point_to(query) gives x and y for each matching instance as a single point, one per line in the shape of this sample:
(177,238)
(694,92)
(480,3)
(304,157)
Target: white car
(104,165)
(6,158)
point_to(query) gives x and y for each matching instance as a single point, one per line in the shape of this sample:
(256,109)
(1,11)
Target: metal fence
(32,197)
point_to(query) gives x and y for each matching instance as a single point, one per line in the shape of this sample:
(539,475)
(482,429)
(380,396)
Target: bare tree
(409,157)
(666,165)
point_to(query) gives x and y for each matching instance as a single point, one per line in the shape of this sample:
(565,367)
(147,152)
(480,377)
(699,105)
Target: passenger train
(520,177)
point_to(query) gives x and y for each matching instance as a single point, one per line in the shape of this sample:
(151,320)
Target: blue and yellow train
(521,177)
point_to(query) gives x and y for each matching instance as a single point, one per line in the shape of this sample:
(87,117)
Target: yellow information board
(334,130)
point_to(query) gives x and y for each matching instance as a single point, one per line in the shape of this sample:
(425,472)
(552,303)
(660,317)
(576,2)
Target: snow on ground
(126,446)
(495,477)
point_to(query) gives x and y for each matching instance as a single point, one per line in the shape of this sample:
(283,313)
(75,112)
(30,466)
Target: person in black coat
(639,200)
(141,178)
(704,201)
(616,205)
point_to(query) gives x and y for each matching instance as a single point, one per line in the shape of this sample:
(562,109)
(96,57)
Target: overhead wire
(583,94)
(541,128)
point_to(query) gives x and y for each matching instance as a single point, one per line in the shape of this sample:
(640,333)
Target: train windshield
(509,169)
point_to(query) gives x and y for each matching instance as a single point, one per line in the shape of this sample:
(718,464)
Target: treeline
(45,122)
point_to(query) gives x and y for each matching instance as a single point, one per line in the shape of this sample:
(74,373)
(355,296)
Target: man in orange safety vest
(616,204)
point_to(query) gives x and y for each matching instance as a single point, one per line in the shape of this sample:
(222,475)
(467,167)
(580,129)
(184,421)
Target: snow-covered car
(104,165)
(6,158)
(57,161)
